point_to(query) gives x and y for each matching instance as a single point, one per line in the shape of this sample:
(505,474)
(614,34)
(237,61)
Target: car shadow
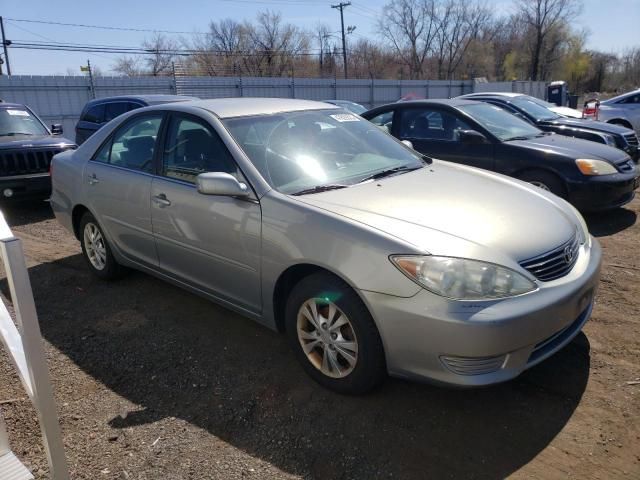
(177,355)
(602,224)
(24,212)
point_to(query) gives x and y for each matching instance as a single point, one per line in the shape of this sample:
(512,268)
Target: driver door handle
(161,200)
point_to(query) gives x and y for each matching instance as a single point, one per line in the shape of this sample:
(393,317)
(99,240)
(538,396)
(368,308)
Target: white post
(24,346)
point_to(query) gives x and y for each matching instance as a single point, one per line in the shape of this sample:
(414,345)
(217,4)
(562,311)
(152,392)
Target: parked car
(102,110)
(312,221)
(26,149)
(351,106)
(530,109)
(623,110)
(589,175)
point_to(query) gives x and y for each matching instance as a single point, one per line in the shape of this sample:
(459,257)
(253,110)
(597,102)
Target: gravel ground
(152,382)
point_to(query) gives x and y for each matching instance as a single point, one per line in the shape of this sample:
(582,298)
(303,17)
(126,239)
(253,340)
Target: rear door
(90,121)
(118,186)
(212,242)
(436,133)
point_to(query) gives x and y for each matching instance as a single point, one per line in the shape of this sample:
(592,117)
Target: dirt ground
(152,382)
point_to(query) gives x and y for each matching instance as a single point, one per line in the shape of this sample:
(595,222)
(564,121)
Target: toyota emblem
(568,254)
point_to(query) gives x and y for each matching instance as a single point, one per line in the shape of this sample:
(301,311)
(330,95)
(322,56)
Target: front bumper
(20,187)
(603,192)
(428,337)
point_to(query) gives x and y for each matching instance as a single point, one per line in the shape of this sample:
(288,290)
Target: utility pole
(4,46)
(341,6)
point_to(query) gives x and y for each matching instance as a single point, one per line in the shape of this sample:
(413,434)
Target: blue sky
(613,24)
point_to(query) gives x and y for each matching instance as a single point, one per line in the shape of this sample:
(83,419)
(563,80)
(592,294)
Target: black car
(26,149)
(589,175)
(536,112)
(102,110)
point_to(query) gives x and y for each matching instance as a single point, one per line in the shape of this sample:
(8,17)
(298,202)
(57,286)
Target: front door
(211,242)
(118,184)
(435,132)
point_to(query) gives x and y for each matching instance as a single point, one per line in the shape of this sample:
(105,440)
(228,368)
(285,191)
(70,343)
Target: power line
(104,27)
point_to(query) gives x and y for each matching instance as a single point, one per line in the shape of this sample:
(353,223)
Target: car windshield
(18,121)
(319,149)
(533,108)
(499,122)
(354,107)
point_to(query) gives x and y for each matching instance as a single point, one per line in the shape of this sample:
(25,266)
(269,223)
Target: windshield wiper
(388,172)
(13,134)
(320,188)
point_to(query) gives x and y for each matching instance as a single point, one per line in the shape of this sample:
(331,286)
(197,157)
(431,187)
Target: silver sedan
(371,257)
(622,110)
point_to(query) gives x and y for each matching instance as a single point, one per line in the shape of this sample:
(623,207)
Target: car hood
(567,112)
(572,148)
(443,208)
(32,141)
(588,125)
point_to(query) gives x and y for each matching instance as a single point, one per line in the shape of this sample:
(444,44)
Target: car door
(631,108)
(211,242)
(436,133)
(118,186)
(89,122)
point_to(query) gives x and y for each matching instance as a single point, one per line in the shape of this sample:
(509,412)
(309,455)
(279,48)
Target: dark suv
(26,149)
(102,110)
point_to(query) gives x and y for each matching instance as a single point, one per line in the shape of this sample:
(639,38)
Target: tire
(546,181)
(332,346)
(621,123)
(98,255)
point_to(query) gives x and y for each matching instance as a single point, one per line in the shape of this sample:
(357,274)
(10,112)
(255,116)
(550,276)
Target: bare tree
(410,26)
(220,51)
(128,66)
(161,54)
(544,17)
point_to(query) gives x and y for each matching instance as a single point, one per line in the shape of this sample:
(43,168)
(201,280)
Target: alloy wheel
(95,246)
(327,337)
(539,184)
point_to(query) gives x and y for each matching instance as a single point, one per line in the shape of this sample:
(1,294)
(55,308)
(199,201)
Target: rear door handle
(93,179)
(161,200)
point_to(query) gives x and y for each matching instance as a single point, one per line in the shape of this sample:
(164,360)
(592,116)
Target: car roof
(149,99)
(11,105)
(622,96)
(450,102)
(493,94)
(247,106)
(338,102)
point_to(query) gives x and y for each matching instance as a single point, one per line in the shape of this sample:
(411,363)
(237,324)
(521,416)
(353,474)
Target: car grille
(556,263)
(632,139)
(26,162)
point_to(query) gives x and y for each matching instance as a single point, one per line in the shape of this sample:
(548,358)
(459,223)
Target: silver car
(622,110)
(311,220)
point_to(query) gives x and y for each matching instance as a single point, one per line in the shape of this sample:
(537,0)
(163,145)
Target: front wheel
(96,249)
(334,336)
(545,181)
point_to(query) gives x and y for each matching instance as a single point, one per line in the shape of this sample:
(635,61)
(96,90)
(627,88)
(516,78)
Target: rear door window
(95,114)
(133,145)
(114,109)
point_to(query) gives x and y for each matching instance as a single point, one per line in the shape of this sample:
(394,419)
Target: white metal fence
(58,99)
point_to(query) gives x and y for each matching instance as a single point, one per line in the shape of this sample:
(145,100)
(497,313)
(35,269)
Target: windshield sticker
(345,117)
(19,113)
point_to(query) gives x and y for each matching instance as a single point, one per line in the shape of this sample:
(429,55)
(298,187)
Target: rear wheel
(545,181)
(333,335)
(96,249)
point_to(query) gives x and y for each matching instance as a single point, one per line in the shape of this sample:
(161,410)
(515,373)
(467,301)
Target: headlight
(595,167)
(461,278)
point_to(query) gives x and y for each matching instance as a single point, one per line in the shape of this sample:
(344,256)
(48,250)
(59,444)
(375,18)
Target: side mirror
(472,137)
(218,183)
(56,129)
(408,143)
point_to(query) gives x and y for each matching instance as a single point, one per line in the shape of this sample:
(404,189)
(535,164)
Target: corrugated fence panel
(58,99)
